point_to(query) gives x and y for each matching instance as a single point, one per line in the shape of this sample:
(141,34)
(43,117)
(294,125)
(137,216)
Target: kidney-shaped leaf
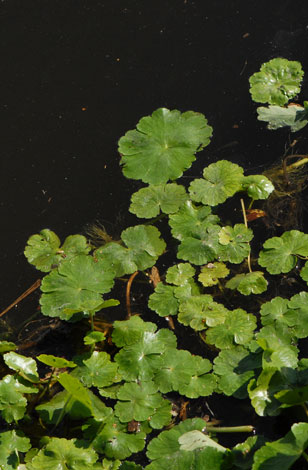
(76,286)
(277,82)
(148,202)
(221,180)
(164,145)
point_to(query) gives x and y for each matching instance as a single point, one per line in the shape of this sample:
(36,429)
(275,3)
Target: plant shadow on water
(155,343)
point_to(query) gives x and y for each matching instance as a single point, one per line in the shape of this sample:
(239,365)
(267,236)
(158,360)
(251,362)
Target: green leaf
(303,273)
(278,351)
(11,443)
(137,401)
(283,452)
(25,366)
(63,454)
(93,337)
(164,145)
(243,453)
(165,450)
(127,332)
(274,311)
(262,392)
(297,316)
(235,241)
(294,116)
(257,186)
(211,272)
(201,384)
(43,249)
(279,253)
(73,386)
(6,346)
(12,402)
(96,369)
(277,82)
(113,440)
(144,246)
(250,283)
(163,300)
(235,367)
(54,361)
(221,180)
(148,202)
(140,360)
(193,440)
(201,311)
(191,221)
(76,286)
(161,416)
(293,397)
(201,249)
(238,328)
(180,274)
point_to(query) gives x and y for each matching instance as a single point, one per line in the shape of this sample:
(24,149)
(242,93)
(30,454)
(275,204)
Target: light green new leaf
(43,250)
(165,450)
(93,337)
(235,367)
(163,300)
(294,116)
(277,82)
(113,440)
(63,454)
(237,328)
(211,272)
(96,369)
(137,401)
(11,443)
(201,311)
(6,346)
(257,186)
(25,366)
(279,253)
(54,361)
(144,246)
(127,332)
(180,274)
(235,243)
(250,283)
(76,286)
(221,180)
(193,440)
(164,145)
(284,452)
(191,221)
(148,202)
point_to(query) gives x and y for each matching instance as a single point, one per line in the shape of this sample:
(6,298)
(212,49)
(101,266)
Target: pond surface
(76,75)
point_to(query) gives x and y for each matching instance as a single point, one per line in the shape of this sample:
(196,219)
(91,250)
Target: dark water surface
(75,75)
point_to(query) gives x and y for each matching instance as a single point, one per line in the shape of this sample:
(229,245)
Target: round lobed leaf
(250,283)
(148,202)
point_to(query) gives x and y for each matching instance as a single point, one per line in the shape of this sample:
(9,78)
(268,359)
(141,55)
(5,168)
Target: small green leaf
(127,332)
(180,274)
(144,246)
(12,402)
(243,453)
(76,286)
(163,300)
(6,346)
(73,386)
(277,82)
(164,145)
(193,440)
(63,454)
(202,248)
(262,392)
(148,202)
(235,243)
(250,283)
(297,316)
(279,253)
(25,366)
(137,401)
(211,272)
(201,383)
(96,369)
(293,397)
(201,311)
(274,311)
(11,443)
(294,116)
(257,186)
(54,361)
(283,452)
(304,272)
(237,328)
(221,181)
(93,337)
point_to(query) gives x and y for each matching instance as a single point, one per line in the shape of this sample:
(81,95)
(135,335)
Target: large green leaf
(277,82)
(144,246)
(164,145)
(221,180)
(203,248)
(148,202)
(11,443)
(43,250)
(76,286)
(237,328)
(279,253)
(281,454)
(63,454)
(165,450)
(296,117)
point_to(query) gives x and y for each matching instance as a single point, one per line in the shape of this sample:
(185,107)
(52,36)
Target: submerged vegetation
(131,385)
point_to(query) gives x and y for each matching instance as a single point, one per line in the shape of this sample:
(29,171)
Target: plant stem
(246,225)
(305,456)
(246,428)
